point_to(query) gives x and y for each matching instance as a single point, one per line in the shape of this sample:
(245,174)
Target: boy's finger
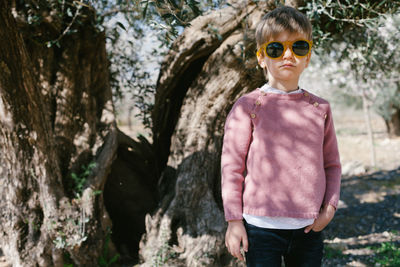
(308,228)
(245,244)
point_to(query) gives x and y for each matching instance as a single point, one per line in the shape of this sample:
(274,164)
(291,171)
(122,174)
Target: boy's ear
(261,61)
(308,59)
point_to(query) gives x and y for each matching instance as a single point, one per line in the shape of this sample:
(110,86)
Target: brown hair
(282,19)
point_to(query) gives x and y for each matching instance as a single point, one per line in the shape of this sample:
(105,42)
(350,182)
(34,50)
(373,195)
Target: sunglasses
(275,50)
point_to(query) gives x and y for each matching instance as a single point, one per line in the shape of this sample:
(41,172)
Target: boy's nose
(287,53)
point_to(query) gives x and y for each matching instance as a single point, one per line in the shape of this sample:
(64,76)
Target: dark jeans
(267,246)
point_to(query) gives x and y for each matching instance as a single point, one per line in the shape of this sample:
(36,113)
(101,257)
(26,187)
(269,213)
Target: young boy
(280,162)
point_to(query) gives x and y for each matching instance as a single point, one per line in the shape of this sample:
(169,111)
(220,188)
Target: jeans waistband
(275,229)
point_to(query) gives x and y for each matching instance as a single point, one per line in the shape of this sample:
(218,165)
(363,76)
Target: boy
(280,161)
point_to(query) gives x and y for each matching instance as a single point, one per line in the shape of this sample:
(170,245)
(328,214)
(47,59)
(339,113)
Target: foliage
(165,16)
(367,67)
(70,228)
(339,20)
(67,260)
(165,252)
(51,21)
(330,253)
(81,179)
(104,260)
(388,254)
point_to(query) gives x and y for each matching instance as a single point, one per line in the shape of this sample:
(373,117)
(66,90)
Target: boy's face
(285,70)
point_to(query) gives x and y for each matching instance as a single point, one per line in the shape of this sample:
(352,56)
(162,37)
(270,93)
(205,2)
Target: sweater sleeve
(237,138)
(332,164)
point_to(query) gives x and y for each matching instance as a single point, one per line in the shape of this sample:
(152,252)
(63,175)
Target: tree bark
(393,125)
(56,116)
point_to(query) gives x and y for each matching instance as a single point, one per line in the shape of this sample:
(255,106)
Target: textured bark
(56,116)
(207,74)
(393,125)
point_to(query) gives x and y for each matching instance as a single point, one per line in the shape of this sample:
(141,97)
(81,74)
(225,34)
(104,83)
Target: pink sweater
(279,157)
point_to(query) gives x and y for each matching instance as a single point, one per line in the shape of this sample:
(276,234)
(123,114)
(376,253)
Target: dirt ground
(368,217)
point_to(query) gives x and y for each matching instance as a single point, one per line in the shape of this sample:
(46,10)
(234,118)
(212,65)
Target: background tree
(362,59)
(367,70)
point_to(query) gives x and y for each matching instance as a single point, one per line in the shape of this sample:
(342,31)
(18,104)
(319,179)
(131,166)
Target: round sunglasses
(275,49)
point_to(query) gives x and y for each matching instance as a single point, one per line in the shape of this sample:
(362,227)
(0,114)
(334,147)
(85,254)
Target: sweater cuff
(332,202)
(233,217)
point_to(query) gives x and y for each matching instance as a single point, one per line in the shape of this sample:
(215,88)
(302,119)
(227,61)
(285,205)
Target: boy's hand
(324,217)
(236,234)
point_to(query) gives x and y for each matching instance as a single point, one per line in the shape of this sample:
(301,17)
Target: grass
(105,260)
(330,253)
(388,254)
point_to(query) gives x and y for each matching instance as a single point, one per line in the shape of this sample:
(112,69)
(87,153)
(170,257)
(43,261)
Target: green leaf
(145,9)
(102,262)
(114,259)
(121,26)
(97,192)
(92,165)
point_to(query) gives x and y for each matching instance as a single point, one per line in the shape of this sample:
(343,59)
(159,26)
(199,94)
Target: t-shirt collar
(269,89)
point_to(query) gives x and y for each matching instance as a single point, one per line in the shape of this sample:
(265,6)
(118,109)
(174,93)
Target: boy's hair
(282,19)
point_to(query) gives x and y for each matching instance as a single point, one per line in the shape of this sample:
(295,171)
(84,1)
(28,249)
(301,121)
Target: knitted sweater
(279,156)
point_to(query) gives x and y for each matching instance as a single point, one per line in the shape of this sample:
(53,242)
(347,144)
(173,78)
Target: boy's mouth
(287,65)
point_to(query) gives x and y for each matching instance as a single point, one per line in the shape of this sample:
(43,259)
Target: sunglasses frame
(285,44)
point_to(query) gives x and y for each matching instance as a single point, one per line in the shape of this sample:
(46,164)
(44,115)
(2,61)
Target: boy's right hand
(236,234)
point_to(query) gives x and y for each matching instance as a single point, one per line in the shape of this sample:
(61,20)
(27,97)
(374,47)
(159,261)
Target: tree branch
(118,10)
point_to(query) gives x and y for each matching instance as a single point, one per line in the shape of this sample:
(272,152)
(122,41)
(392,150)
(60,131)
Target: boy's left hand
(324,217)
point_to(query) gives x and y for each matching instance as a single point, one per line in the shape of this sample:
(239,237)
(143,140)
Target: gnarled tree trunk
(56,116)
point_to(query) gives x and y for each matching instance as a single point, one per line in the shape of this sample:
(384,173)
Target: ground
(367,217)
(366,226)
